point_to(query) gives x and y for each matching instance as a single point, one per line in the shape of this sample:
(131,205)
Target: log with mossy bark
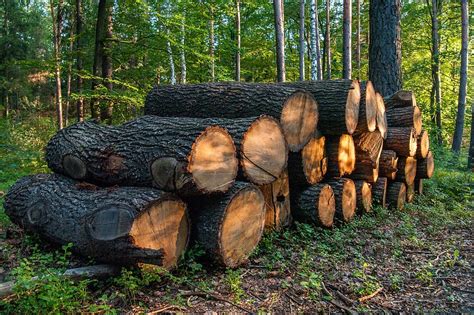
(388,164)
(277,203)
(228,226)
(402,140)
(382,124)
(367,109)
(425,167)
(407,169)
(364,196)
(340,152)
(296,109)
(379,191)
(316,204)
(405,117)
(396,195)
(402,98)
(119,225)
(422,145)
(346,198)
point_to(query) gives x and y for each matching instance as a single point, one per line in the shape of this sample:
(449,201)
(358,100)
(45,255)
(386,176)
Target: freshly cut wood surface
(407,170)
(346,198)
(367,109)
(382,124)
(425,167)
(315,204)
(379,191)
(340,151)
(410,192)
(364,196)
(396,195)
(402,140)
(277,203)
(423,145)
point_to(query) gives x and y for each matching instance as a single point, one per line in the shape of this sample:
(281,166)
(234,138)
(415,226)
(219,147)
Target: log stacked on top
(217,164)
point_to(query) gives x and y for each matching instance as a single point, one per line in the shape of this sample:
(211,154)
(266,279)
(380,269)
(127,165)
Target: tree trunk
(367,108)
(385,55)
(407,170)
(183,53)
(237,52)
(364,196)
(340,155)
(423,145)
(297,111)
(346,198)
(347,40)
(425,167)
(212,42)
(458,131)
(328,40)
(379,191)
(382,124)
(470,159)
(280,39)
(405,117)
(229,226)
(388,164)
(100,30)
(79,41)
(277,203)
(401,140)
(123,225)
(69,76)
(171,153)
(169,51)
(316,71)
(302,47)
(396,195)
(57,30)
(316,205)
(435,65)
(106,113)
(402,98)
(358,39)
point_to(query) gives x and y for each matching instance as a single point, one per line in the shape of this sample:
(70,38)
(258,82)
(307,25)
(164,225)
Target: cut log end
(396,195)
(74,167)
(382,125)
(264,151)
(346,155)
(364,196)
(370,106)
(352,107)
(423,145)
(326,206)
(277,203)
(349,200)
(425,167)
(407,169)
(314,160)
(242,226)
(213,162)
(417,121)
(163,225)
(299,119)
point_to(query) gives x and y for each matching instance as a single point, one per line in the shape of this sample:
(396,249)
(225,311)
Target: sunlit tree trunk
(183,55)
(328,40)
(280,39)
(168,44)
(78,42)
(459,128)
(57,29)
(358,39)
(347,40)
(237,52)
(302,45)
(316,69)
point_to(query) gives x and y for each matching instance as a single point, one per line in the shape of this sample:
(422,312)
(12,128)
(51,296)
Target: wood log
(425,167)
(405,117)
(309,166)
(297,110)
(340,153)
(379,191)
(410,192)
(338,104)
(407,170)
(229,226)
(367,109)
(120,225)
(346,198)
(402,140)
(388,164)
(396,195)
(419,186)
(368,146)
(364,171)
(364,196)
(174,154)
(402,98)
(382,124)
(316,205)
(423,145)
(277,203)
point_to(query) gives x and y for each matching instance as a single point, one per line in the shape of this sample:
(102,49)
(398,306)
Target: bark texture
(396,195)
(316,205)
(347,40)
(278,11)
(346,198)
(405,117)
(277,203)
(402,140)
(388,164)
(402,98)
(407,170)
(425,167)
(379,191)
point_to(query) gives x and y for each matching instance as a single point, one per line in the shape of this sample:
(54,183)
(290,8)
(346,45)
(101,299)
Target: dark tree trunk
(347,40)
(327,44)
(401,140)
(123,225)
(358,39)
(280,39)
(316,205)
(79,41)
(106,113)
(396,195)
(470,160)
(379,191)
(237,52)
(385,56)
(277,203)
(57,30)
(425,167)
(346,198)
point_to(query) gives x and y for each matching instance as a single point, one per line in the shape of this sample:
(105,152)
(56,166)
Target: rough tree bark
(401,98)
(169,50)
(347,40)
(57,19)
(388,164)
(425,167)
(277,203)
(316,204)
(379,191)
(123,225)
(79,41)
(405,117)
(396,195)
(401,140)
(278,10)
(357,52)
(346,198)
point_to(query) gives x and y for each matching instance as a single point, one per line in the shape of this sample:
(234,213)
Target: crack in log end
(352,107)
(277,203)
(382,124)
(299,119)
(74,167)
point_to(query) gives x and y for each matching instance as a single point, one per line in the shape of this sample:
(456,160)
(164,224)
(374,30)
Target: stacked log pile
(218,164)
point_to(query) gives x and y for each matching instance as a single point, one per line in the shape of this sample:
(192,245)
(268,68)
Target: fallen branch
(342,307)
(205,294)
(368,297)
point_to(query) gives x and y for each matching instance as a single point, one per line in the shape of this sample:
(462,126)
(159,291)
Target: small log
(364,196)
(410,191)
(388,164)
(379,191)
(120,225)
(402,140)
(407,170)
(346,198)
(277,203)
(419,186)
(425,167)
(396,195)
(229,226)
(402,98)
(382,124)
(367,109)
(316,205)
(405,117)
(368,146)
(340,153)
(364,171)
(296,109)
(423,145)
(174,154)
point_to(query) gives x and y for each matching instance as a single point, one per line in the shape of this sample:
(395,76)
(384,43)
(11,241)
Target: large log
(277,203)
(174,154)
(364,196)
(382,124)
(368,146)
(120,225)
(425,167)
(379,191)
(402,98)
(407,170)
(364,170)
(229,226)
(346,198)
(316,205)
(405,117)
(422,145)
(402,140)
(396,195)
(338,104)
(296,109)
(340,153)
(388,164)
(367,109)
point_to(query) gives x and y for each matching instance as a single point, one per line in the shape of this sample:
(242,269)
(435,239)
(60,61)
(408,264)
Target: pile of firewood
(217,164)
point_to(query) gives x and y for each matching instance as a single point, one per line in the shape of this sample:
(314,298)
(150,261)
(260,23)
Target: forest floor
(420,259)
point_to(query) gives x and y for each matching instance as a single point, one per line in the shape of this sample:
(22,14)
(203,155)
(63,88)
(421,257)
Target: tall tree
(302,45)
(385,55)
(57,19)
(470,161)
(278,11)
(107,70)
(347,40)
(316,71)
(98,54)
(168,44)
(212,41)
(69,75)
(358,38)
(459,128)
(327,40)
(78,42)
(237,51)
(183,53)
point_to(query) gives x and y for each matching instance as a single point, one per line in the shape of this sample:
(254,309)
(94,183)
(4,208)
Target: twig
(215,297)
(368,297)
(344,298)
(342,307)
(165,309)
